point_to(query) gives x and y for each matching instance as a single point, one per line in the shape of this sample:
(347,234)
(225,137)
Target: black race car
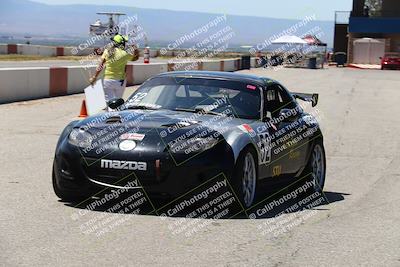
(179,129)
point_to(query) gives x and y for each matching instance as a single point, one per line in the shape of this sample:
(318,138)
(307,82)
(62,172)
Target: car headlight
(80,138)
(193,145)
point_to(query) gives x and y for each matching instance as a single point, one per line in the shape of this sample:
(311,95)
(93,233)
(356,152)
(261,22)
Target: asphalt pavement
(358,226)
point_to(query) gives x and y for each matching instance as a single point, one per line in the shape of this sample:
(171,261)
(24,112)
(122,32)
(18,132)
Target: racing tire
(245,177)
(316,167)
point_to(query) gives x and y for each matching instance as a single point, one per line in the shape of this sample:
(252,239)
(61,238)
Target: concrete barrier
(78,78)
(3,49)
(213,65)
(42,50)
(253,61)
(153,53)
(83,52)
(59,51)
(185,66)
(28,49)
(12,49)
(229,65)
(137,73)
(30,83)
(170,53)
(47,51)
(23,49)
(68,51)
(23,84)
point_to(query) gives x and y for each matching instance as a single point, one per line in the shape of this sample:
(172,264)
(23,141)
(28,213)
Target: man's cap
(120,39)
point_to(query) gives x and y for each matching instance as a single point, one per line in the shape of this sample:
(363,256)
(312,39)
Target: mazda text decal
(123,165)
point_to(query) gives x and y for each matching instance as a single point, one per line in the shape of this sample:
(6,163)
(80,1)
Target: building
(368,32)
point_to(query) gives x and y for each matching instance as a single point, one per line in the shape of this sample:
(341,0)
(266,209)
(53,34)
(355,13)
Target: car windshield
(212,96)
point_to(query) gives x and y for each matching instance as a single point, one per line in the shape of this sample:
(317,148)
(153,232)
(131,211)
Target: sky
(292,9)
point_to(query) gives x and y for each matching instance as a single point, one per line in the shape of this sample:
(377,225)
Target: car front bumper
(166,175)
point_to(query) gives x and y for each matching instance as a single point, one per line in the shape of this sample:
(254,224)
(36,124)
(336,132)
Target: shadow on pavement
(217,206)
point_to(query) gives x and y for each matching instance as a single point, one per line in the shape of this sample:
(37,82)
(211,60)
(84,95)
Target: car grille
(93,170)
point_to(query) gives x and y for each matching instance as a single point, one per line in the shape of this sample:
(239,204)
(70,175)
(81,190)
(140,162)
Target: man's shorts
(113,88)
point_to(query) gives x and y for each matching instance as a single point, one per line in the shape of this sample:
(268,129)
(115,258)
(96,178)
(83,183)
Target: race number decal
(265,148)
(138,97)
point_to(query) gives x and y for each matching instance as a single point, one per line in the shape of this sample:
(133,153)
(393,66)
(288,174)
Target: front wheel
(245,177)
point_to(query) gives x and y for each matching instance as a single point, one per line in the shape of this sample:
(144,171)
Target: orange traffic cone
(83,113)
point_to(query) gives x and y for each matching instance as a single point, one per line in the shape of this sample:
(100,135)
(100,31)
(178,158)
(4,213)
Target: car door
(285,150)
(299,127)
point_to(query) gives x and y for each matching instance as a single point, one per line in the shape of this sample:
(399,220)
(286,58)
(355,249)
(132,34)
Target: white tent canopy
(289,39)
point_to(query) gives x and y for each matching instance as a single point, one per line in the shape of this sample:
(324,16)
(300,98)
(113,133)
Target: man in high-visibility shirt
(115,59)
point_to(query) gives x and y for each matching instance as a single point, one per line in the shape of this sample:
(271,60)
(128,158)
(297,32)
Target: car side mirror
(288,114)
(314,100)
(115,103)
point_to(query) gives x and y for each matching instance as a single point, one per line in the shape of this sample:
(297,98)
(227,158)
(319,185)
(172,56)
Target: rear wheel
(316,167)
(245,177)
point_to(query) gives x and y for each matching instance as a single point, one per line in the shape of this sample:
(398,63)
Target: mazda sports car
(179,129)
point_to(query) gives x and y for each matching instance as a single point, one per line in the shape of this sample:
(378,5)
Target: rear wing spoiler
(313,98)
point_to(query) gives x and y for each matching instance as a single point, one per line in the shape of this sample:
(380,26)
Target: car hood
(154,119)
(157,127)
(391,59)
